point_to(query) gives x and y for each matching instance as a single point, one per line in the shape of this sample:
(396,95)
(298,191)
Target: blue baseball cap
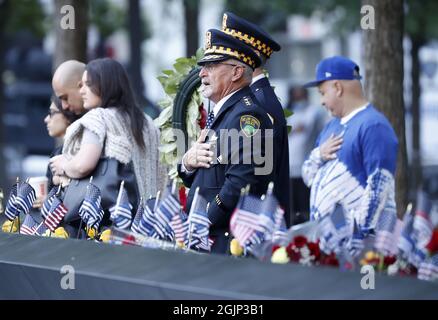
(335,68)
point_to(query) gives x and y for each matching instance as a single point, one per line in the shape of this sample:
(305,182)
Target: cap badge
(208,40)
(224,21)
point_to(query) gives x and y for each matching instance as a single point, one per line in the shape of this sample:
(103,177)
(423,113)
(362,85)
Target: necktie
(210,119)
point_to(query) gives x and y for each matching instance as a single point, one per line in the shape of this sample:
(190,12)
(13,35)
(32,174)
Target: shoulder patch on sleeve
(249,125)
(248,101)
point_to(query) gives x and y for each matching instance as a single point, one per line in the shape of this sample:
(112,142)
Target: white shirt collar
(221,102)
(257,78)
(347,118)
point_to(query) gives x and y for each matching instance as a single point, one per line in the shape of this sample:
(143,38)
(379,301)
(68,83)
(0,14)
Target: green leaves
(287,113)
(170,80)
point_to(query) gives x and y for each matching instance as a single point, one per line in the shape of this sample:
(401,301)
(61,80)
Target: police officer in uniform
(226,74)
(264,45)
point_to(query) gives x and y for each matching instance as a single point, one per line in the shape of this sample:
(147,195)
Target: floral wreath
(182,108)
(182,102)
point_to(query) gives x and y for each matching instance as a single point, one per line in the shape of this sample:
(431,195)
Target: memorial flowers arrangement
(195,118)
(301,250)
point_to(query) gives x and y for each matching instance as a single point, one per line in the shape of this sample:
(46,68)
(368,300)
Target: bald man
(354,161)
(66,84)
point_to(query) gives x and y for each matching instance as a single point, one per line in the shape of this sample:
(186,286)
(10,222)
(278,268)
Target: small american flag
(244,222)
(179,226)
(45,208)
(56,214)
(121,213)
(29,225)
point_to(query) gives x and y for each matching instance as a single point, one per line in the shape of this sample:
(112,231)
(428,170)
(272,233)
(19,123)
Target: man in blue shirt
(354,160)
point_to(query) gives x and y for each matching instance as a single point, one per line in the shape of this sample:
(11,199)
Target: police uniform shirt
(268,100)
(221,184)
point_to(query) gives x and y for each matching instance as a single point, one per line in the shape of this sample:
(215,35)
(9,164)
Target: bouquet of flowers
(301,250)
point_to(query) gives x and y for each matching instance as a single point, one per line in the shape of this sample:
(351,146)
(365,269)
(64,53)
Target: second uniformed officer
(260,41)
(226,74)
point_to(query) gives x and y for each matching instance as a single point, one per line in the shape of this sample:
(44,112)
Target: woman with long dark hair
(114,127)
(57,122)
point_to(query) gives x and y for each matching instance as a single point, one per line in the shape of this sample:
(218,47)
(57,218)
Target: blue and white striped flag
(280,236)
(422,225)
(91,211)
(355,244)
(385,237)
(148,225)
(25,197)
(198,224)
(428,269)
(334,231)
(167,209)
(135,226)
(11,210)
(121,213)
(45,208)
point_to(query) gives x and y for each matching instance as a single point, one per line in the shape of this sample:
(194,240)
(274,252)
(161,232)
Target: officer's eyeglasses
(210,66)
(51,113)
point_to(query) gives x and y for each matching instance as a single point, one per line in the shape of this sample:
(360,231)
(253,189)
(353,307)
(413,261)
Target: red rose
(300,241)
(330,260)
(129,240)
(388,260)
(432,246)
(203,119)
(292,252)
(314,250)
